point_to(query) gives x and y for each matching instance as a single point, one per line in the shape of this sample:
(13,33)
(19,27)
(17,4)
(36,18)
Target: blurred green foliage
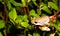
(23,20)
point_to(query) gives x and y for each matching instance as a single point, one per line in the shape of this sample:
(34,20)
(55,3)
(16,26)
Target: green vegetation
(18,13)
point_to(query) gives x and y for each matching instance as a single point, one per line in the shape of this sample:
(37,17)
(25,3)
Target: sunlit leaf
(29,35)
(9,5)
(12,14)
(24,2)
(24,24)
(16,3)
(52,34)
(45,8)
(1,34)
(42,4)
(32,13)
(19,19)
(36,34)
(53,5)
(25,18)
(2,24)
(29,1)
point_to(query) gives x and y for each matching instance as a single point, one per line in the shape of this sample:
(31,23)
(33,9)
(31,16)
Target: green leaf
(52,34)
(55,1)
(9,5)
(32,13)
(29,1)
(34,1)
(53,5)
(42,4)
(24,24)
(16,3)
(36,34)
(31,27)
(29,35)
(19,19)
(2,24)
(12,14)
(25,18)
(1,34)
(38,11)
(58,27)
(24,2)
(45,8)
(52,23)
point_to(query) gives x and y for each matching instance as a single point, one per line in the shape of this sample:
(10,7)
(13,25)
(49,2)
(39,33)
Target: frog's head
(34,20)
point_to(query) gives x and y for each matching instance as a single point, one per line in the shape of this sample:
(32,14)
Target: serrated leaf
(29,35)
(12,14)
(53,5)
(24,24)
(45,8)
(2,24)
(36,34)
(1,34)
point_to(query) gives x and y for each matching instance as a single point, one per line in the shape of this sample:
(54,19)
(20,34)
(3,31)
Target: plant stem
(38,6)
(58,11)
(6,16)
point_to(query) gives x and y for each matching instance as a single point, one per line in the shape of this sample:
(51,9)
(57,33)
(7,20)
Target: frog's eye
(35,22)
